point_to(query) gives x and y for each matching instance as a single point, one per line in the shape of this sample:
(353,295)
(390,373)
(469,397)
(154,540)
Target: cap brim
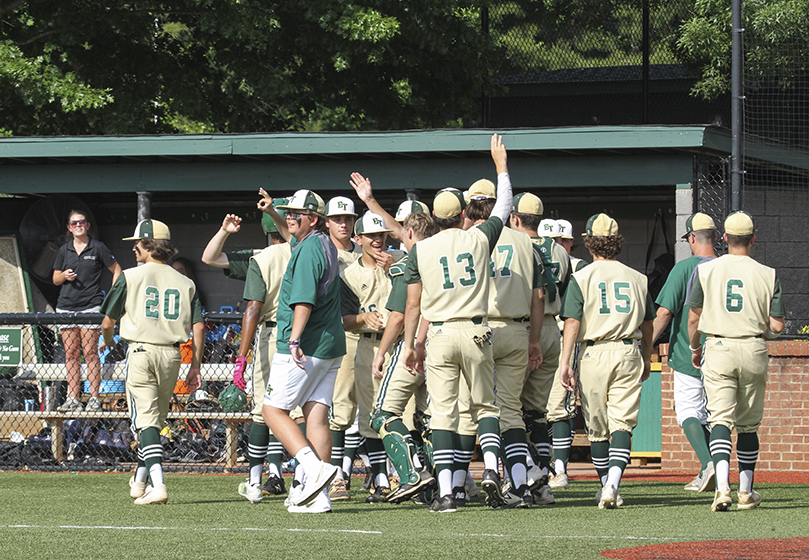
(342,214)
(686,234)
(130,238)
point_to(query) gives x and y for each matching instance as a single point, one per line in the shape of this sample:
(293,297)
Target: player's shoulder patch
(398,268)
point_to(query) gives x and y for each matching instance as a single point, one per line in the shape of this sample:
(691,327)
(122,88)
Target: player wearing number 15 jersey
(156,307)
(607,309)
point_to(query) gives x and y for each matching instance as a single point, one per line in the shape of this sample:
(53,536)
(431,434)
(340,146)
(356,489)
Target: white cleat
(314,484)
(320,504)
(153,495)
(252,492)
(559,481)
(136,489)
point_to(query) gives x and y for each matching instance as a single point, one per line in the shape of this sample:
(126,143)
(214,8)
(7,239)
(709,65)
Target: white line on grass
(358,531)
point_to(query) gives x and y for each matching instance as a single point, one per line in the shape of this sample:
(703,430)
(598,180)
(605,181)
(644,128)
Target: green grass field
(68,516)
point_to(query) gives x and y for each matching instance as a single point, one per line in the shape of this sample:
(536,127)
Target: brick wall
(784,431)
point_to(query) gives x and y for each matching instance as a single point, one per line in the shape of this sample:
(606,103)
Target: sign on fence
(10,346)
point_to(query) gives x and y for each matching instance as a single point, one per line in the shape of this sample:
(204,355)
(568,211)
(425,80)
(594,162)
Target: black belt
(475,320)
(521,319)
(270,324)
(627,341)
(374,336)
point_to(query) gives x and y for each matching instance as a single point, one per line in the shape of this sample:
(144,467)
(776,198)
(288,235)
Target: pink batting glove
(238,373)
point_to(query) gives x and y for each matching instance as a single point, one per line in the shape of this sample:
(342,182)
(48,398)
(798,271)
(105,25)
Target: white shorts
(95,309)
(689,398)
(291,386)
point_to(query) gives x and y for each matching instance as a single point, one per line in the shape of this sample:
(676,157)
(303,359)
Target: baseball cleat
(153,495)
(136,489)
(321,504)
(314,484)
(535,477)
(722,500)
(338,490)
(491,486)
(608,499)
(559,481)
(378,496)
(748,501)
(543,496)
(708,476)
(459,496)
(443,504)
(407,490)
(252,492)
(619,501)
(472,489)
(274,486)
(294,493)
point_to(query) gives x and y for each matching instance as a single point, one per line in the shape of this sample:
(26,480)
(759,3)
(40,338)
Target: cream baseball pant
(561,402)
(609,381)
(454,357)
(263,352)
(151,374)
(538,383)
(510,355)
(366,386)
(344,403)
(734,371)
(400,392)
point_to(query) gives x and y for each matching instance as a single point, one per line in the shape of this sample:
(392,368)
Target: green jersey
(397,299)
(238,263)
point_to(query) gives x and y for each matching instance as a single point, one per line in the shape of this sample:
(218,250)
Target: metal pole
(645,78)
(144,205)
(737,61)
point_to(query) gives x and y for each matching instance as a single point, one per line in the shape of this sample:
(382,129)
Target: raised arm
(213,255)
(502,208)
(362,186)
(265,205)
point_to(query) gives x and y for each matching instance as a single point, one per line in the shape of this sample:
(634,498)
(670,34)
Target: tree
(776,44)
(95,67)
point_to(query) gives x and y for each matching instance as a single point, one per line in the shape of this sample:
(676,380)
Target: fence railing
(36,434)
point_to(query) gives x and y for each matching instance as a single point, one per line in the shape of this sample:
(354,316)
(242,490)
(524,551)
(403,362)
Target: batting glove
(238,373)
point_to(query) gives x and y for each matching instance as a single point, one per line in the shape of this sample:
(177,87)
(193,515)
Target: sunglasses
(78,223)
(292,214)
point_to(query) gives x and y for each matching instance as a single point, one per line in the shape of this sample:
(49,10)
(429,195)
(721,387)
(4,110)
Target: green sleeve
(397,299)
(492,228)
(777,303)
(573,302)
(349,302)
(580,265)
(696,297)
(196,309)
(538,271)
(254,287)
(411,275)
(238,261)
(114,304)
(650,308)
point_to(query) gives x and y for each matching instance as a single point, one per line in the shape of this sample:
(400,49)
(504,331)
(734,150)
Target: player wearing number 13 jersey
(607,309)
(156,307)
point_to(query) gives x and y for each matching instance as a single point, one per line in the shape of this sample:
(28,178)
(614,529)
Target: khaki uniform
(737,296)
(611,300)
(344,403)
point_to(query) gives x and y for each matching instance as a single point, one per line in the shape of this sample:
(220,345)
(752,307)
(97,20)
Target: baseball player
(516,311)
(526,218)
(562,403)
(340,220)
(607,310)
(310,346)
(689,393)
(398,386)
(447,281)
(262,285)
(156,307)
(737,303)
(364,291)
(233,263)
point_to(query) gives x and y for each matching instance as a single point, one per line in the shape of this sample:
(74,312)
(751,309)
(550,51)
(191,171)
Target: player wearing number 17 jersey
(156,307)
(607,310)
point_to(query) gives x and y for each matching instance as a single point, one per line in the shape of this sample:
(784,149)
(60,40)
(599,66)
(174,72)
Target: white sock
(603,481)
(347,465)
(365,459)
(255,474)
(458,478)
(490,460)
(445,482)
(529,461)
(141,474)
(381,480)
(723,475)
(518,475)
(156,474)
(746,481)
(308,459)
(559,465)
(614,477)
(300,473)
(417,462)
(274,470)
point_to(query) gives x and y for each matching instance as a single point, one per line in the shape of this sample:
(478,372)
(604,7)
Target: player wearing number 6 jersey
(607,309)
(157,307)
(735,301)
(448,285)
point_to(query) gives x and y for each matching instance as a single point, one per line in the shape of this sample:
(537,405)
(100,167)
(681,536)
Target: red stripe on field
(740,549)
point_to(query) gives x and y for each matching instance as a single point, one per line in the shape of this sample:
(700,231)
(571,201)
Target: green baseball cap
(410,207)
(739,223)
(150,229)
(527,203)
(698,222)
(267,223)
(370,223)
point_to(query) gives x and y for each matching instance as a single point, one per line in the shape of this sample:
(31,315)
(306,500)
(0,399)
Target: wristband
(294,343)
(697,349)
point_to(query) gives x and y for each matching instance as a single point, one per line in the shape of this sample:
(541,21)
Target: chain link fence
(201,433)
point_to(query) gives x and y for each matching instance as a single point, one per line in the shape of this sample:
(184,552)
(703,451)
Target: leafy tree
(100,67)
(776,44)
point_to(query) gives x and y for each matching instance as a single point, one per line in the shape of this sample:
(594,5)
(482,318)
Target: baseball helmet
(232,399)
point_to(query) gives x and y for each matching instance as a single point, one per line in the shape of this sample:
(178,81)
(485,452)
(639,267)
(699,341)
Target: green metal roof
(553,157)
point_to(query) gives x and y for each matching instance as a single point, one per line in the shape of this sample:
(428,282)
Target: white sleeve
(502,208)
